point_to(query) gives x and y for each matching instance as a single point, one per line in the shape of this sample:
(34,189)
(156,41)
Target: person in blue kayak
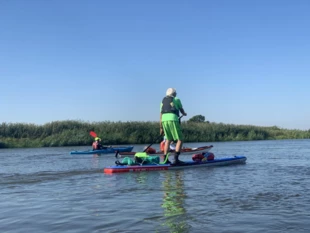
(97,145)
(170,123)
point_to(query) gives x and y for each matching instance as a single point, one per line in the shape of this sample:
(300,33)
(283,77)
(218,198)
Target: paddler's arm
(161,131)
(183,112)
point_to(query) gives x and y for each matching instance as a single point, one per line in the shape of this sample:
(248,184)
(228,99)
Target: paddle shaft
(152,143)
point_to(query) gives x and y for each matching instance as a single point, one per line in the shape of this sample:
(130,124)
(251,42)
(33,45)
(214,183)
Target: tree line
(76,133)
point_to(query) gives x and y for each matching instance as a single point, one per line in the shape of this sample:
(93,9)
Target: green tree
(197,118)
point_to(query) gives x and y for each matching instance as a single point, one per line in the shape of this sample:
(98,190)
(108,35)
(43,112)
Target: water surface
(49,190)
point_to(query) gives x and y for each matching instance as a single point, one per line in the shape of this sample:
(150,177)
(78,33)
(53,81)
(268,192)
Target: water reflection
(173,202)
(142,177)
(97,161)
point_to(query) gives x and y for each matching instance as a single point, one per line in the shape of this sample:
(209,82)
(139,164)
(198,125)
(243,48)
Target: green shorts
(172,130)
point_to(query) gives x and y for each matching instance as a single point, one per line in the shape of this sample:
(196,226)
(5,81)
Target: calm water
(49,190)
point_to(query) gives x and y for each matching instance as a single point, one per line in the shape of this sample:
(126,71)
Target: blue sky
(236,62)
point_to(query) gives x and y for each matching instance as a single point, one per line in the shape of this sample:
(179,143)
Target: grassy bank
(76,133)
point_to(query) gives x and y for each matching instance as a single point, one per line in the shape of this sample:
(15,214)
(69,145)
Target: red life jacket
(95,145)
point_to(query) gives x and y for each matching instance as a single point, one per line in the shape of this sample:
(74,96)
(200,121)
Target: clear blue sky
(235,62)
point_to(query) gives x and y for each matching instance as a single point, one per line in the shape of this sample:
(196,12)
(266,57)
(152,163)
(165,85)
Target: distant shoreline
(76,133)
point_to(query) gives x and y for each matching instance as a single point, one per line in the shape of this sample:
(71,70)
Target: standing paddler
(170,124)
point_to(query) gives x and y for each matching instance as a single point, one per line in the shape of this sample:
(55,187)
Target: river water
(49,190)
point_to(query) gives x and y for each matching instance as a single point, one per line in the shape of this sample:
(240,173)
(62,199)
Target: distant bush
(76,133)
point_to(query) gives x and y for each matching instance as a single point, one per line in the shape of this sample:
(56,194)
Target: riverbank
(76,133)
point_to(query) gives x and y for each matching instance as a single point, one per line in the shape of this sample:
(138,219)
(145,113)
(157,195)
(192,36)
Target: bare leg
(178,147)
(167,146)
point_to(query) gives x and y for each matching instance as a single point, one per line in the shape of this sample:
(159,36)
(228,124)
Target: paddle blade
(93,134)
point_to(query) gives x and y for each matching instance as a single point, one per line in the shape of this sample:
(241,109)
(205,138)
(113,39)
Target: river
(49,190)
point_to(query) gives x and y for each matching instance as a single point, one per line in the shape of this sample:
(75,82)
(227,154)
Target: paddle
(93,134)
(160,136)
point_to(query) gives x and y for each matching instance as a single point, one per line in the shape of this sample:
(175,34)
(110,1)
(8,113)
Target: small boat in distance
(108,150)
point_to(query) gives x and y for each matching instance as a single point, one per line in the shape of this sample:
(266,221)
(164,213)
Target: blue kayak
(186,164)
(108,150)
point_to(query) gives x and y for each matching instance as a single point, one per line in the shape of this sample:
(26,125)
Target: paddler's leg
(177,134)
(176,158)
(167,144)
(178,145)
(166,129)
(166,148)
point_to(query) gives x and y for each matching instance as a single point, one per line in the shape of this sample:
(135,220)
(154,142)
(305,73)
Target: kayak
(187,164)
(184,151)
(104,151)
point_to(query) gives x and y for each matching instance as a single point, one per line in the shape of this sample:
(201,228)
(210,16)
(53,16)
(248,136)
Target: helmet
(171,92)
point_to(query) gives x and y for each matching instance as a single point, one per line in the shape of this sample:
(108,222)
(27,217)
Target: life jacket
(95,145)
(168,106)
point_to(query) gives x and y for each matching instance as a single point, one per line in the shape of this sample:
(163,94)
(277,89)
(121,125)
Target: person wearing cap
(96,144)
(169,122)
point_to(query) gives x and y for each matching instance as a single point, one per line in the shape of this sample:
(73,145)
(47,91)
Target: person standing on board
(170,124)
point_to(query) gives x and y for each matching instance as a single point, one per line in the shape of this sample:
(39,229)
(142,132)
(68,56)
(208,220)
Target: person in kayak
(170,124)
(97,145)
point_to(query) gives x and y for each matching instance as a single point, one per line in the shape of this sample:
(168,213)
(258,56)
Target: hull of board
(108,150)
(187,164)
(185,151)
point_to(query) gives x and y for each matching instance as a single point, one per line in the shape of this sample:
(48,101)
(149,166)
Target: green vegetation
(76,133)
(197,119)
